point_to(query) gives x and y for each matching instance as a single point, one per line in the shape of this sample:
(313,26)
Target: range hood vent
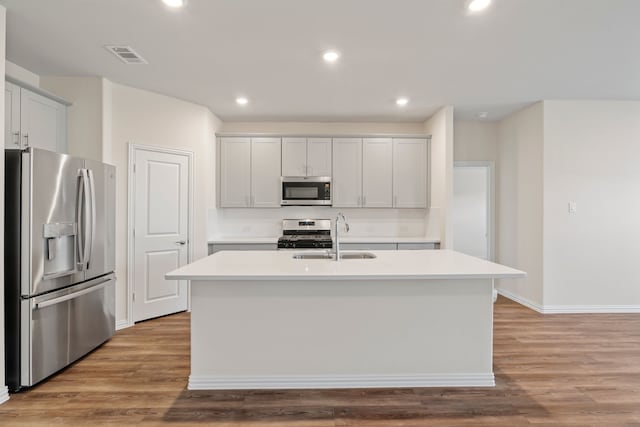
(126,54)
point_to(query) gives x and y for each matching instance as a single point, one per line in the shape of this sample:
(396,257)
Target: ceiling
(431,51)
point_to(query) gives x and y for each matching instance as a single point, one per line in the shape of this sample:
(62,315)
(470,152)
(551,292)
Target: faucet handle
(346,226)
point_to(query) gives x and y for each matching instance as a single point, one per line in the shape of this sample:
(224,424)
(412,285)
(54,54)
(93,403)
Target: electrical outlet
(572,207)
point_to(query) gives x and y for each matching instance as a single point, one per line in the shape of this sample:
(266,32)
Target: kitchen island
(262,319)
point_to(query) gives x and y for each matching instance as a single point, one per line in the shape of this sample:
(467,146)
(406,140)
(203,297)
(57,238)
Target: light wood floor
(553,369)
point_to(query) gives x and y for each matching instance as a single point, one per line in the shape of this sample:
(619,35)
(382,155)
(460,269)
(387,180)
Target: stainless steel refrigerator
(59,261)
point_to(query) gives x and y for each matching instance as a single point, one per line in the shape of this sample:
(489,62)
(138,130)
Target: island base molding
(339,381)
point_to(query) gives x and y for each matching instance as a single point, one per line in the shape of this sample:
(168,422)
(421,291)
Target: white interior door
(161,214)
(472,209)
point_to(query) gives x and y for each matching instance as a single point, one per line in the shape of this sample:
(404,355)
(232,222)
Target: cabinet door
(42,122)
(377,172)
(410,173)
(235,172)
(347,172)
(319,156)
(265,173)
(11,115)
(294,156)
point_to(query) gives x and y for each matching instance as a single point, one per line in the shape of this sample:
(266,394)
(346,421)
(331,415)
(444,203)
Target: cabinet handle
(395,201)
(364,201)
(26,139)
(310,170)
(17,135)
(359,200)
(253,201)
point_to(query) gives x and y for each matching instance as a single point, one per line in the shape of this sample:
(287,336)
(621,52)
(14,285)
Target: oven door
(306,191)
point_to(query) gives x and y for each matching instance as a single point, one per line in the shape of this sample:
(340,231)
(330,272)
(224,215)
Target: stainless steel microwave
(306,191)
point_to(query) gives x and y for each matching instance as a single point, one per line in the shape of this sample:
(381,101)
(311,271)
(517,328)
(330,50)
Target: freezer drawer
(60,327)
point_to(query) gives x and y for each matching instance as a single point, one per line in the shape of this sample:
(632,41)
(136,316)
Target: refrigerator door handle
(68,297)
(83,219)
(92,192)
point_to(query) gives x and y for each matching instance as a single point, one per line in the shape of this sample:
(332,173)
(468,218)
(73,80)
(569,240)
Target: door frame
(491,202)
(131,216)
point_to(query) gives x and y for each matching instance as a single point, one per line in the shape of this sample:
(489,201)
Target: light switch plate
(572,207)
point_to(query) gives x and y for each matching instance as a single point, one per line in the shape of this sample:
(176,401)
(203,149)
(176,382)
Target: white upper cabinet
(377,173)
(347,172)
(319,157)
(306,156)
(235,172)
(249,172)
(294,156)
(33,120)
(265,173)
(12,137)
(410,173)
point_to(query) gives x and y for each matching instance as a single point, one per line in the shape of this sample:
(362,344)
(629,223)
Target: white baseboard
(527,303)
(122,324)
(595,309)
(571,309)
(339,381)
(4,394)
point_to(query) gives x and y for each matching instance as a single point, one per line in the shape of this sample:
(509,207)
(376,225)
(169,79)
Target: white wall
(519,212)
(363,222)
(85,116)
(147,118)
(315,128)
(22,74)
(591,157)
(475,141)
(440,127)
(3,30)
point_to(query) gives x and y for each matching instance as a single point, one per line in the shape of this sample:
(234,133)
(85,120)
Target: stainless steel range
(305,234)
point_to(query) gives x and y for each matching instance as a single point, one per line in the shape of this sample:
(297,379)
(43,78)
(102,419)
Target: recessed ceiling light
(174,3)
(478,5)
(242,100)
(483,114)
(402,101)
(331,56)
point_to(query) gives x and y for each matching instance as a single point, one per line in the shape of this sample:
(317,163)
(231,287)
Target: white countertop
(280,265)
(345,239)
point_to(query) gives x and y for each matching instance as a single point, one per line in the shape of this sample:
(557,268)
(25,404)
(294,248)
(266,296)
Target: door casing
(131,220)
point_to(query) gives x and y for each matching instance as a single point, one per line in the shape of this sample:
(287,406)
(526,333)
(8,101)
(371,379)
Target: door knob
(181,242)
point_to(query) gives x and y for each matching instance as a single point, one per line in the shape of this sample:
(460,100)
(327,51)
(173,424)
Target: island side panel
(284,334)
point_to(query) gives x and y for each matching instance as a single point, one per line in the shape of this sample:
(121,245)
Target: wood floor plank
(551,370)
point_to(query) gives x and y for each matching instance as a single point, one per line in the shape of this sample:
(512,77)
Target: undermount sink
(313,256)
(325,255)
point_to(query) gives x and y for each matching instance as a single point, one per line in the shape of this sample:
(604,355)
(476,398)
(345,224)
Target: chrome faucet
(337,238)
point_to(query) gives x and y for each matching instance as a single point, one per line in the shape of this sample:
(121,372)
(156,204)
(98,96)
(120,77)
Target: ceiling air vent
(126,54)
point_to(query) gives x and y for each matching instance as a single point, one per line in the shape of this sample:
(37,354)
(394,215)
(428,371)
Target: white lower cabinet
(388,246)
(414,246)
(217,247)
(368,246)
(33,120)
(249,172)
